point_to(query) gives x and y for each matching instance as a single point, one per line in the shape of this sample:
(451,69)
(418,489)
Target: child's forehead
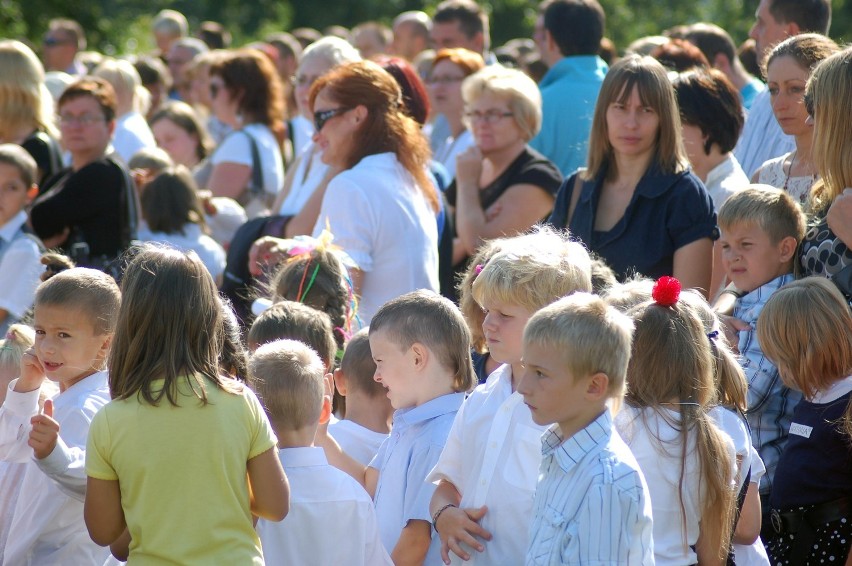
(64,316)
(11,174)
(492,303)
(740,226)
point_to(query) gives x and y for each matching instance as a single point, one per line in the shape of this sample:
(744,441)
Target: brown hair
(773,210)
(295,321)
(358,365)
(649,77)
(387,128)
(465,59)
(183,116)
(95,87)
(170,201)
(92,292)
(806,49)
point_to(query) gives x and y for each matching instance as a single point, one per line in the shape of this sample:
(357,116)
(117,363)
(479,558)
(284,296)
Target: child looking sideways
(488,470)
(760,229)
(74,319)
(183,455)
(575,356)
(331,518)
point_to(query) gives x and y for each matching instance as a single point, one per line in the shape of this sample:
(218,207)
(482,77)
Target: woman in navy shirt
(636,205)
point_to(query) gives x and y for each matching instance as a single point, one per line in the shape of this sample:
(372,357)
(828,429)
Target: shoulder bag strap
(256,186)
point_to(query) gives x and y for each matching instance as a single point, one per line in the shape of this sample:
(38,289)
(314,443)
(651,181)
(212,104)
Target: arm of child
(455,525)
(413,544)
(64,463)
(708,554)
(102,511)
(346,463)
(19,407)
(120,548)
(749,523)
(270,491)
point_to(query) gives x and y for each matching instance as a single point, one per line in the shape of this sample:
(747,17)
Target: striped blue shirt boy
(591,504)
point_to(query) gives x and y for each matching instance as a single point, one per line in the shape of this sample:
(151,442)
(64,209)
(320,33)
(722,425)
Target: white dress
(772,173)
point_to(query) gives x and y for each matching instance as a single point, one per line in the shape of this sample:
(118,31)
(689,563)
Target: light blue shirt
(762,138)
(405,459)
(569,92)
(591,504)
(770,402)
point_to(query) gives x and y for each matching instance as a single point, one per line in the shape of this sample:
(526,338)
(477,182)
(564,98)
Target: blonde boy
(761,228)
(331,518)
(74,321)
(487,473)
(575,356)
(366,423)
(20,265)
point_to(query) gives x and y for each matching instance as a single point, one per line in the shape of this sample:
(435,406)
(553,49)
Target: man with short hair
(179,59)
(168,26)
(719,48)
(63,40)
(568,34)
(461,23)
(775,20)
(411,34)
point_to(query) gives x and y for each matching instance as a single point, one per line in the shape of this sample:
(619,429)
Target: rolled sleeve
(693,217)
(98,448)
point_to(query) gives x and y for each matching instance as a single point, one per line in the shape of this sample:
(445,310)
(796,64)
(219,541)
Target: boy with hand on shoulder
(20,265)
(74,319)
(421,347)
(367,421)
(761,228)
(331,518)
(591,503)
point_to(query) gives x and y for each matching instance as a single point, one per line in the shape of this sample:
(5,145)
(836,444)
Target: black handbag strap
(256,186)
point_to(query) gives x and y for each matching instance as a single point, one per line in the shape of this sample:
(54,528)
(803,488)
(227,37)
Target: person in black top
(85,203)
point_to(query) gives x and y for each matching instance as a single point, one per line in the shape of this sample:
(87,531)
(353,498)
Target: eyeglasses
(84,120)
(53,41)
(215,88)
(323,116)
(488,117)
(443,80)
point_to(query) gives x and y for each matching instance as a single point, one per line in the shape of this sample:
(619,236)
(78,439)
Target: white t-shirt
(309,174)
(724,180)
(657,447)
(131,134)
(381,219)
(492,457)
(359,442)
(451,148)
(236,148)
(20,269)
(211,253)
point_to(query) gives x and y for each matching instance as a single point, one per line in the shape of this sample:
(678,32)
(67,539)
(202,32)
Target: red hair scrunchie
(666,291)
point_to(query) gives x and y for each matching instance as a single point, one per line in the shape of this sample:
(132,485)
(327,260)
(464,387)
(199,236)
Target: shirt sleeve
(374,550)
(418,492)
(264,437)
(20,270)
(98,449)
(541,173)
(66,464)
(234,149)
(351,216)
(449,465)
(15,415)
(691,216)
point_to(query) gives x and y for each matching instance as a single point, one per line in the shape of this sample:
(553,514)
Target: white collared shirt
(47,525)
(492,457)
(20,269)
(359,442)
(724,180)
(331,518)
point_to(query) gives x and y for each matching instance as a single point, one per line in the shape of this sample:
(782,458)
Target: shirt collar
(572,450)
(436,407)
(762,293)
(574,64)
(8,230)
(302,457)
(720,171)
(98,380)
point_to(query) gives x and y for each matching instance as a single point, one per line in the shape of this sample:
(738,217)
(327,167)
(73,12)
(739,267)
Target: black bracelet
(438,514)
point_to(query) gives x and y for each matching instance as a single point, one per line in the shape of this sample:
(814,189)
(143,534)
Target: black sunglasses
(52,41)
(323,116)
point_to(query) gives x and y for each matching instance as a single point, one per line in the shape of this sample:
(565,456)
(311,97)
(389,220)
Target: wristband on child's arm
(438,514)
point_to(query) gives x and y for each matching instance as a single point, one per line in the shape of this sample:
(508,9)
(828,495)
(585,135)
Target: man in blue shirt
(568,34)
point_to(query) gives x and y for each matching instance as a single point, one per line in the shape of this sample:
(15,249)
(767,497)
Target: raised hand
(44,433)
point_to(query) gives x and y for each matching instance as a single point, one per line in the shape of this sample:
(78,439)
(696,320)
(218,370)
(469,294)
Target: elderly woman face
(309,71)
(493,123)
(85,130)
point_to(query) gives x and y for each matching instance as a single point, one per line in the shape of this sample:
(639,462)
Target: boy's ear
(325,412)
(598,387)
(787,247)
(420,355)
(339,381)
(32,193)
(328,385)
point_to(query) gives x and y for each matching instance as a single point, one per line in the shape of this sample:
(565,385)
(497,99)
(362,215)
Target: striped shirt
(592,505)
(770,402)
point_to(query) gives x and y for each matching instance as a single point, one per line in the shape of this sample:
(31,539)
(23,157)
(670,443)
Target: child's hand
(45,432)
(455,526)
(32,373)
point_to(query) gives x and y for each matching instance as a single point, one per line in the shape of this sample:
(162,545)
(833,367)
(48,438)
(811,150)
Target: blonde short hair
(796,318)
(534,270)
(19,338)
(771,209)
(288,378)
(590,336)
(24,98)
(633,292)
(513,86)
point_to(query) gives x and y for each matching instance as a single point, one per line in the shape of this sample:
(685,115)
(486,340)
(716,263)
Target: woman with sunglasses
(246,94)
(381,208)
(502,186)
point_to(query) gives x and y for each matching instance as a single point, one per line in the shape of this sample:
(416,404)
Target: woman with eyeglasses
(26,108)
(84,210)
(381,208)
(449,69)
(636,204)
(502,186)
(247,166)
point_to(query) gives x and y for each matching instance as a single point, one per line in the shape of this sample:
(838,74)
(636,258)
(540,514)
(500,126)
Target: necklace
(803,197)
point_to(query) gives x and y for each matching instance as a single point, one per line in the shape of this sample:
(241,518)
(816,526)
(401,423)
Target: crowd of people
(392,295)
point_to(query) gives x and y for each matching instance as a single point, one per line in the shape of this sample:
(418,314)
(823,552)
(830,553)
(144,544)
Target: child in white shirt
(331,518)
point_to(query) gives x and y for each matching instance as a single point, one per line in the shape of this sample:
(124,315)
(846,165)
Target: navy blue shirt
(666,212)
